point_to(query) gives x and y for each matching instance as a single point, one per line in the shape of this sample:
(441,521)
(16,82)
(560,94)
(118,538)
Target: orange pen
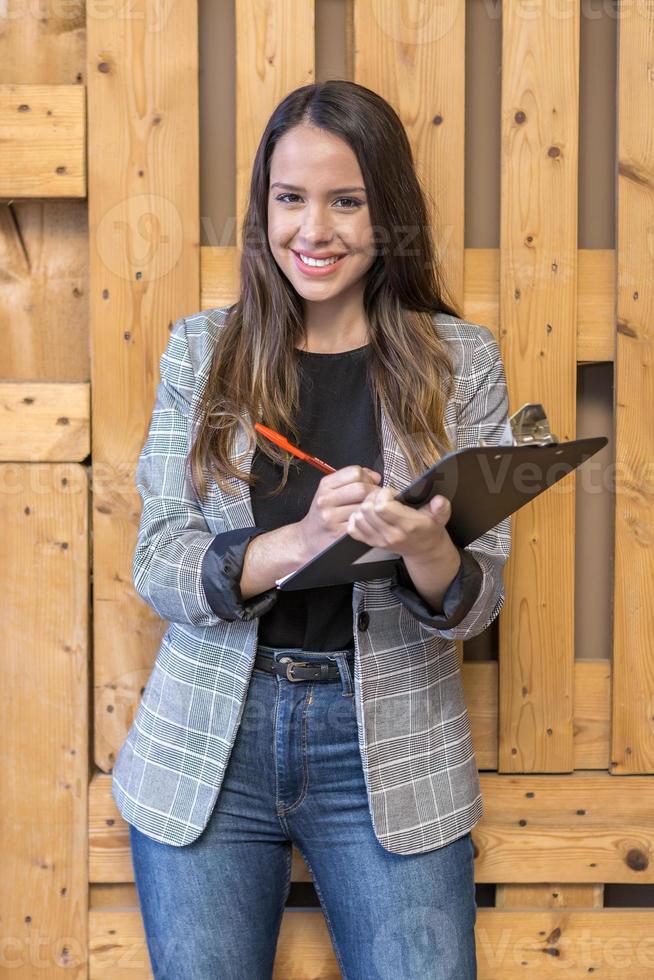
(285,444)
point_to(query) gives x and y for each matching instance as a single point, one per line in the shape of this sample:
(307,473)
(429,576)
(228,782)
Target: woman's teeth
(319,262)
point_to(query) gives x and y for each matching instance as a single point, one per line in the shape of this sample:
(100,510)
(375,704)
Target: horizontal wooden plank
(108,836)
(580,827)
(43,146)
(591,714)
(44,423)
(117,946)
(595,298)
(614,944)
(595,292)
(110,858)
(570,827)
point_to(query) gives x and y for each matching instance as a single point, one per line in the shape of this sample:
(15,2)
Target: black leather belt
(300,670)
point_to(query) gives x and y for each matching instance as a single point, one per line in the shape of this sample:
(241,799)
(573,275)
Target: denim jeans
(212,909)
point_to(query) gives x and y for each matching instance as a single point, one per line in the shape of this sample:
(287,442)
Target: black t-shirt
(337,423)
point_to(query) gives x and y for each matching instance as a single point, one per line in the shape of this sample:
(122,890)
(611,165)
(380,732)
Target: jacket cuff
(461,595)
(222,567)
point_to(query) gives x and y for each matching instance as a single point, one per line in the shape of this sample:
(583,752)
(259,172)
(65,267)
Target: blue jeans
(212,909)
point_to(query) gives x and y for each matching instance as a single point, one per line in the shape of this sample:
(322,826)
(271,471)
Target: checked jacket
(413,727)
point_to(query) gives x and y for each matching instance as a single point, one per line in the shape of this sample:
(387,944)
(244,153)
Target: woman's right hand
(337,496)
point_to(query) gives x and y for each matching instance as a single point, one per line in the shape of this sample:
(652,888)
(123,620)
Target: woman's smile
(319,270)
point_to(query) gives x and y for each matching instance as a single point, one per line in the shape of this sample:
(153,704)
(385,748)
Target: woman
(329,718)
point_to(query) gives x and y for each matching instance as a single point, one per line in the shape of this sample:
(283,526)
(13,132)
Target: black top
(337,424)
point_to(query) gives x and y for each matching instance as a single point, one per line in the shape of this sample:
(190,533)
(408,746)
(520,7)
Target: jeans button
(363,621)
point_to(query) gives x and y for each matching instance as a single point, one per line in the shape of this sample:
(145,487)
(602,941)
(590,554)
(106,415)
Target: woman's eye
(352,201)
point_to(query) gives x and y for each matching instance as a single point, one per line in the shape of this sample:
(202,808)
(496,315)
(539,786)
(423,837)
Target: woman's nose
(315,225)
(315,233)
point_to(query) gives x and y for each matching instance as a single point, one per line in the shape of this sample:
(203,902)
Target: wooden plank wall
(44,504)
(554,735)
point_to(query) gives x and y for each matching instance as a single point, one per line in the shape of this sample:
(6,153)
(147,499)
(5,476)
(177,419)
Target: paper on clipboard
(374,554)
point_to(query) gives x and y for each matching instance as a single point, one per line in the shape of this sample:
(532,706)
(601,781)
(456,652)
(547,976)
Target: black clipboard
(484,485)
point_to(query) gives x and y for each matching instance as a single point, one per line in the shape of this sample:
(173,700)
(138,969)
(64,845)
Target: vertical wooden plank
(144,273)
(44,554)
(632,749)
(275,53)
(44,708)
(538,288)
(413,55)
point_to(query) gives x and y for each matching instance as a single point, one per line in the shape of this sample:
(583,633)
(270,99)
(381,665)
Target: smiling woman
(333,178)
(357,744)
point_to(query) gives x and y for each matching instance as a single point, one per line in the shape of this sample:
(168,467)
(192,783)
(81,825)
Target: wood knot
(636,859)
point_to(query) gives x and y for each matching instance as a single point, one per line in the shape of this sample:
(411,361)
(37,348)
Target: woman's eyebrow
(336,190)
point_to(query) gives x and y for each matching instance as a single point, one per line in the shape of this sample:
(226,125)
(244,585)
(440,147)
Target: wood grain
(144,275)
(595,293)
(633,635)
(275,53)
(42,422)
(42,150)
(538,317)
(410,54)
(44,575)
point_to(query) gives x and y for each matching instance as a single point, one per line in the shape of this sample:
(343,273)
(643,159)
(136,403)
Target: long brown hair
(254,367)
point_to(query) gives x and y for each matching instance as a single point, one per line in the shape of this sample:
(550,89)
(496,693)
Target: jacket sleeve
(173,536)
(222,568)
(460,596)
(476,595)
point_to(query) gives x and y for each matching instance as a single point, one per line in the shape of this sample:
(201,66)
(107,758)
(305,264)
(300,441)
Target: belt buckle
(289,666)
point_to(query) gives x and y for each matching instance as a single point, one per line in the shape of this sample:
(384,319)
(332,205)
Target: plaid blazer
(414,734)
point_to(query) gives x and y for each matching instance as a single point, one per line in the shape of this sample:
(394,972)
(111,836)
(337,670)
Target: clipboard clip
(528,426)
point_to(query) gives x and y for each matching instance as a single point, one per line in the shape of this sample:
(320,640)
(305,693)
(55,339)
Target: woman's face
(317,207)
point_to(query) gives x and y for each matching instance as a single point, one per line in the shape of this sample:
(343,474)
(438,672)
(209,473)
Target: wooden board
(41,422)
(42,150)
(595,293)
(413,58)
(44,576)
(538,330)
(616,944)
(633,684)
(144,274)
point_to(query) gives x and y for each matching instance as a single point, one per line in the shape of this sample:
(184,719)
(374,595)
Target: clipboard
(484,484)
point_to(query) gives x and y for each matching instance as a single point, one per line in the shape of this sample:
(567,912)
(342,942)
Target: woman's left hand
(383,522)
